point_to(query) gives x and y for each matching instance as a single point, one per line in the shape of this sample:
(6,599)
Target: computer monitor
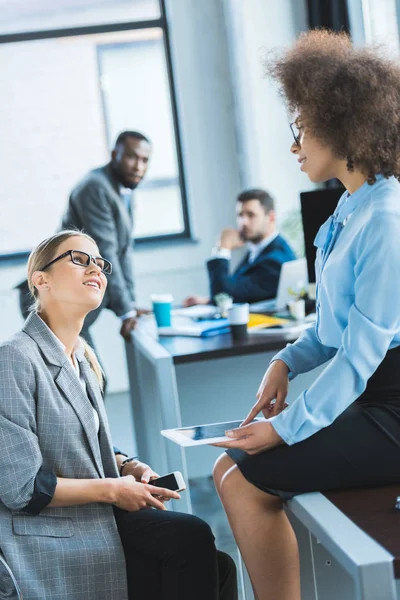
(316,207)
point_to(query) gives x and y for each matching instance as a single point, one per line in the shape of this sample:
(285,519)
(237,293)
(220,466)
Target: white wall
(50,136)
(267,25)
(206,107)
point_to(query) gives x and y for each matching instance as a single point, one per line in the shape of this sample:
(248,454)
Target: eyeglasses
(82,259)
(296,132)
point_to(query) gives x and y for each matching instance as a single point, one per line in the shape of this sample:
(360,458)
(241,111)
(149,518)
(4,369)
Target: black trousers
(172,556)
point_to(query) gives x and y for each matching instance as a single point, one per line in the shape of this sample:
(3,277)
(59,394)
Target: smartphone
(173,481)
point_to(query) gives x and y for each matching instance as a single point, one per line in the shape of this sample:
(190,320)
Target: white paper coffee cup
(238,314)
(297,309)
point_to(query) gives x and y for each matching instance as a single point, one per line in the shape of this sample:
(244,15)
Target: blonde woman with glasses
(72,525)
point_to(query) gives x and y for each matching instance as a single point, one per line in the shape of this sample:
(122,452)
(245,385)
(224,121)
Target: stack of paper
(295,328)
(196,312)
(187,327)
(282,326)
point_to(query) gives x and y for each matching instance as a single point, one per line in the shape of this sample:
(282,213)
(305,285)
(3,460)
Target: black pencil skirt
(361,447)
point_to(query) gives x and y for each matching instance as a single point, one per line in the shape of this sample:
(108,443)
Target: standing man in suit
(257,276)
(101,205)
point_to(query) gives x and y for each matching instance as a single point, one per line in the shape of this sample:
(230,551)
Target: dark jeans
(172,556)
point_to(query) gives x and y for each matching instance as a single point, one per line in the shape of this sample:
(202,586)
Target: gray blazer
(96,206)
(46,421)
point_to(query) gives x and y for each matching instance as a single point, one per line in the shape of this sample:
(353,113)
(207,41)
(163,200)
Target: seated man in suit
(257,276)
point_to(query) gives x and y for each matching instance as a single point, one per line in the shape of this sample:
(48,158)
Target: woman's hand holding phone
(140,471)
(131,495)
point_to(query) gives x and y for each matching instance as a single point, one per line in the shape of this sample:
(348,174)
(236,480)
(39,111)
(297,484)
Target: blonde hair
(42,255)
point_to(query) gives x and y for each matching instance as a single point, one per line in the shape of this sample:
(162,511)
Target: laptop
(293,274)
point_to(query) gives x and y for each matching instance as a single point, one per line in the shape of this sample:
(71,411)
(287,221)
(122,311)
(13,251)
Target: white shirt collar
(256,249)
(78,352)
(78,349)
(124,190)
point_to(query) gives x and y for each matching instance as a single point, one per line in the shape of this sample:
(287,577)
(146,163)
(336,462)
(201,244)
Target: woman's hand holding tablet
(253,438)
(201,434)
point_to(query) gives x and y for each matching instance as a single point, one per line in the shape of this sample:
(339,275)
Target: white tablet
(201,434)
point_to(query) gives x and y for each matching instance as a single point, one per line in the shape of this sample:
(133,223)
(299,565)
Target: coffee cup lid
(161,297)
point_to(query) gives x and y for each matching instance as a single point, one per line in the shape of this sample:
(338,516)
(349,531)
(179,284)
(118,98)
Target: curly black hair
(349,98)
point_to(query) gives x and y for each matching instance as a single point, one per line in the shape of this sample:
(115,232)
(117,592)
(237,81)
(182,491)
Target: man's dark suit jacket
(251,282)
(95,205)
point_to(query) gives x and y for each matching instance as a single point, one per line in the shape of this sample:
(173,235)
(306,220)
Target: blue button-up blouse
(358,310)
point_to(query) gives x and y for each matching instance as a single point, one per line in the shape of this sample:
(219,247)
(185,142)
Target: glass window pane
(158,211)
(380,21)
(53,132)
(18,16)
(136,96)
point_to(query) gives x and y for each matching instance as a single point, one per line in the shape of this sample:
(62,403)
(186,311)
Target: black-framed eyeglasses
(83,259)
(296,133)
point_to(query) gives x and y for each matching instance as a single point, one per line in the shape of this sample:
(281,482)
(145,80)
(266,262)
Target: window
(143,98)
(18,16)
(380,23)
(64,100)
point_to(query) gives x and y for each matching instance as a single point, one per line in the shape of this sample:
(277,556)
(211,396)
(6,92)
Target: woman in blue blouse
(344,431)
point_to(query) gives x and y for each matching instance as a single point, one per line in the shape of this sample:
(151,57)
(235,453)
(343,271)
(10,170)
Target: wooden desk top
(373,511)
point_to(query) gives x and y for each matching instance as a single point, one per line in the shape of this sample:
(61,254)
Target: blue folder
(188,327)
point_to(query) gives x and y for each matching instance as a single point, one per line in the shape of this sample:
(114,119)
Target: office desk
(349,543)
(183,381)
